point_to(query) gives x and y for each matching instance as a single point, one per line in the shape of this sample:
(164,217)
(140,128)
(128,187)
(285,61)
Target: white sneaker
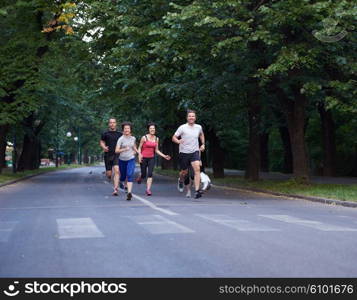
(180,186)
(188,194)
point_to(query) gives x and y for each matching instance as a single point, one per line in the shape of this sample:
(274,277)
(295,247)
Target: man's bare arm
(103,146)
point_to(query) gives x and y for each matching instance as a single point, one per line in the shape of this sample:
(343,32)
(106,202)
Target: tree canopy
(273,82)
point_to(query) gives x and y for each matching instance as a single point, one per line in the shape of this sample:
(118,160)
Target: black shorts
(110,160)
(185,159)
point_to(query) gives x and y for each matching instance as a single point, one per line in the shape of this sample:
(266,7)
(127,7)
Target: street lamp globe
(68,134)
(75,138)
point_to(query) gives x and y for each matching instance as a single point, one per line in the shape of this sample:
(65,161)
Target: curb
(291,196)
(21,179)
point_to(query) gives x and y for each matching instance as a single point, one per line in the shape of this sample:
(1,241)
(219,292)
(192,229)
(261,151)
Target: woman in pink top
(149,145)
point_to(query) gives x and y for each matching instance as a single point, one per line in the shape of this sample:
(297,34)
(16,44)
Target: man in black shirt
(108,142)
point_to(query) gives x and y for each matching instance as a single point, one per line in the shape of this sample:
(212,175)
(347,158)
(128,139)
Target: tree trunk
(30,158)
(3,155)
(85,156)
(253,161)
(354,169)
(31,150)
(328,141)
(288,155)
(264,151)
(170,148)
(217,154)
(73,157)
(280,116)
(296,116)
(3,134)
(204,159)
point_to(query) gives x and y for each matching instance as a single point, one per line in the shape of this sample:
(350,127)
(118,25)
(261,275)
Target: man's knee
(183,172)
(196,166)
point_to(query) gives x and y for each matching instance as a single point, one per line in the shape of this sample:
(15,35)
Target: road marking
(128,204)
(157,224)
(308,223)
(74,228)
(153,206)
(240,225)
(6,229)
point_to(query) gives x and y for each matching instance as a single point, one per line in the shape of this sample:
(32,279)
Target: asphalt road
(67,224)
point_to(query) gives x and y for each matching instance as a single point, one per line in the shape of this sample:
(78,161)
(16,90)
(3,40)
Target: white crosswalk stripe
(157,224)
(308,223)
(237,224)
(74,228)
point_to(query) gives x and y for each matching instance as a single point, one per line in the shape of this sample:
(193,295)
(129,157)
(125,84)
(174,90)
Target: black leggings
(147,164)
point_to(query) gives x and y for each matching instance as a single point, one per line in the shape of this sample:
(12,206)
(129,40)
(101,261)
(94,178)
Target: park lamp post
(76,139)
(68,134)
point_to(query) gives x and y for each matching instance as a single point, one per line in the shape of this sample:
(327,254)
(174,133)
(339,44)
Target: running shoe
(128,196)
(115,192)
(188,194)
(148,192)
(180,186)
(198,194)
(121,185)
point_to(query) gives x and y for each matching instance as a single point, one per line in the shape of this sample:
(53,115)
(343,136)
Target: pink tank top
(148,148)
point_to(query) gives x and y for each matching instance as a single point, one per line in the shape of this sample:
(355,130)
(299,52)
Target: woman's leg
(130,186)
(151,165)
(143,167)
(123,170)
(130,173)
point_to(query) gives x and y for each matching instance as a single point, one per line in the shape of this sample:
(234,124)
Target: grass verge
(343,192)
(7,174)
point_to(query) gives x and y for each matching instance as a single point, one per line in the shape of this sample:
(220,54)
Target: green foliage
(75,63)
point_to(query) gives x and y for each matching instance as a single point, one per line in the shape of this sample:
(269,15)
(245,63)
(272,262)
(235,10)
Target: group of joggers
(120,151)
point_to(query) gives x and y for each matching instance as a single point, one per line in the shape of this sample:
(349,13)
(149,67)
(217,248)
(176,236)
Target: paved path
(67,224)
